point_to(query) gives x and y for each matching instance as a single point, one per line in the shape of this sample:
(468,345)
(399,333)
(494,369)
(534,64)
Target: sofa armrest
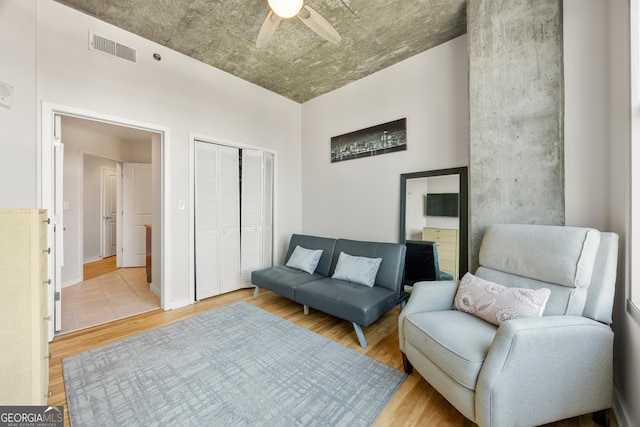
(427,296)
(561,363)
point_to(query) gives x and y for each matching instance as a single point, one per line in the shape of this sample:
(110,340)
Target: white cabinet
(447,242)
(24,347)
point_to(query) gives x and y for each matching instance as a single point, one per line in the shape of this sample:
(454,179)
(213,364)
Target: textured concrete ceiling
(297,63)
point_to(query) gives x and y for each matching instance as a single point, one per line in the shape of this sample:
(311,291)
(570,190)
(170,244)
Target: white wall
(627,329)
(597,150)
(586,113)
(360,198)
(18,162)
(178,92)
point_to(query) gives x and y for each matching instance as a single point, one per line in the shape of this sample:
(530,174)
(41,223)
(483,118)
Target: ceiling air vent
(101,44)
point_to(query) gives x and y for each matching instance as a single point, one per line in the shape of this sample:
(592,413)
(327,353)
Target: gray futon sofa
(338,293)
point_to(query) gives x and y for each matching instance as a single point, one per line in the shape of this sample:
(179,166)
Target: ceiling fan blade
(317,23)
(268,28)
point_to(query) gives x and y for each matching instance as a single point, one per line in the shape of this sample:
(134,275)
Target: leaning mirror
(434,224)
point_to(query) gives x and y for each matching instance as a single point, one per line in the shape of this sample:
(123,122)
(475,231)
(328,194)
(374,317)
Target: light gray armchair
(528,370)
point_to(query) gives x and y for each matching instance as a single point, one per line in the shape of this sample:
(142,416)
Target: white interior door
(109,212)
(137,211)
(206,220)
(267,210)
(252,203)
(217,219)
(229,208)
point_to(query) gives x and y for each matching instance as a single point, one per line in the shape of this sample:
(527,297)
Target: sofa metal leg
(363,342)
(305,309)
(408,367)
(602,418)
(255,292)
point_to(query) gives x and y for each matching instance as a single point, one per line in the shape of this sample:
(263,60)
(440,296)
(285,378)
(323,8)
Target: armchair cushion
(562,257)
(496,303)
(456,342)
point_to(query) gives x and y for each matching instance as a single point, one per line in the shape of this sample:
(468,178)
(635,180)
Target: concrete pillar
(516,101)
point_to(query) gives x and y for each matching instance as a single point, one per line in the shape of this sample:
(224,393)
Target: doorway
(64,202)
(113,167)
(114,284)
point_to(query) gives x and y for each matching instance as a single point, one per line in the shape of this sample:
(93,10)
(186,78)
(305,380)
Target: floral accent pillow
(496,303)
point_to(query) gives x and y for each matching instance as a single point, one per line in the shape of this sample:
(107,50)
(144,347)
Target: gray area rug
(237,365)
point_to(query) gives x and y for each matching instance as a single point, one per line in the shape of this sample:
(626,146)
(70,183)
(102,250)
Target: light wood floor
(98,268)
(416,403)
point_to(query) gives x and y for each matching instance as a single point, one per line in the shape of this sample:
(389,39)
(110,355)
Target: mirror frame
(463,244)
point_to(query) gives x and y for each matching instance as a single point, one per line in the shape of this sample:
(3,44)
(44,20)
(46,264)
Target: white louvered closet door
(217,219)
(233,216)
(206,220)
(229,196)
(267,211)
(251,216)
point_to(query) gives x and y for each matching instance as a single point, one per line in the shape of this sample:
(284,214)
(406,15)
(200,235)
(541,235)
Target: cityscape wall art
(381,139)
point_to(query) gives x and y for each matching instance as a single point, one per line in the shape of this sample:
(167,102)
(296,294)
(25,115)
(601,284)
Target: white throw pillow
(497,303)
(304,259)
(357,269)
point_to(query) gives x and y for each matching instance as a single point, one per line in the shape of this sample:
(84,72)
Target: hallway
(105,295)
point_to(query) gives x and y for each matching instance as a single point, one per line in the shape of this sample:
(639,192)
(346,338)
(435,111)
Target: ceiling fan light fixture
(286,8)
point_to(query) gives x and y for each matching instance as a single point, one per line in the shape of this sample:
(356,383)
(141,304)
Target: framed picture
(380,139)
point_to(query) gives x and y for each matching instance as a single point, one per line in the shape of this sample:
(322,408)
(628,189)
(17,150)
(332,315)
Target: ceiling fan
(284,9)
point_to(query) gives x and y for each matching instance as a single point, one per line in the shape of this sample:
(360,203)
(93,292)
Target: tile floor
(115,295)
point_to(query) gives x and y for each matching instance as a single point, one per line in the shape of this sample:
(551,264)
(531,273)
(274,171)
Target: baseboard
(179,303)
(70,282)
(622,420)
(92,259)
(155,289)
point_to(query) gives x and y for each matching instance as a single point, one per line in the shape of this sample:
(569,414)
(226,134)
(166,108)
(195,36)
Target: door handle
(107,217)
